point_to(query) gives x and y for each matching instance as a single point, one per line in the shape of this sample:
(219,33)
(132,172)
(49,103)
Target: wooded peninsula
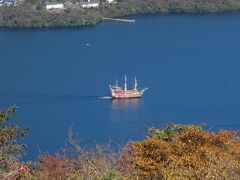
(33,13)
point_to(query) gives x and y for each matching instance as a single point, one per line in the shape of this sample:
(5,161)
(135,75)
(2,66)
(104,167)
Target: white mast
(116,84)
(125,84)
(135,84)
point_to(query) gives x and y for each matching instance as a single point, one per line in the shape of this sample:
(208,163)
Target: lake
(59,78)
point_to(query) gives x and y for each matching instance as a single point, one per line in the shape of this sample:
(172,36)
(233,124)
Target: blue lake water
(191,64)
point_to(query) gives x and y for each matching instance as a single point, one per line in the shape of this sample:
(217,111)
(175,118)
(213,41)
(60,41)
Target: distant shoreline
(135,17)
(29,15)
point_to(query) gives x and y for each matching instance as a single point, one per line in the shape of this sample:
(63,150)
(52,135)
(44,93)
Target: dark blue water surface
(190,62)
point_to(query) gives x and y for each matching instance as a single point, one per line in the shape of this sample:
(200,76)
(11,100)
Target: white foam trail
(105,97)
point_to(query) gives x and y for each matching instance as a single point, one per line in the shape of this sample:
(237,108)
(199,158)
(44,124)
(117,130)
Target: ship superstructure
(119,93)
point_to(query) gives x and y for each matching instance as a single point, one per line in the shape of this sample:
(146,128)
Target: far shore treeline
(32,13)
(177,151)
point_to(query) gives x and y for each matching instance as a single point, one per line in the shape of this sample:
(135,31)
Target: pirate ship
(119,93)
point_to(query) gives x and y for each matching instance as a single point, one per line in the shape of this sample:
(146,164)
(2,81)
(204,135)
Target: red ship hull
(121,94)
(133,97)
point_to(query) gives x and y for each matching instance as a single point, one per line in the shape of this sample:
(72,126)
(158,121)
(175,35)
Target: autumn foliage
(186,151)
(177,151)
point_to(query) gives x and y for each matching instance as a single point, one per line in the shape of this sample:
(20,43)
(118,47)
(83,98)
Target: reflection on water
(125,111)
(122,104)
(126,114)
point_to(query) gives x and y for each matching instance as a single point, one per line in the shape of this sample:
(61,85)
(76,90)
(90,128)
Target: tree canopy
(9,133)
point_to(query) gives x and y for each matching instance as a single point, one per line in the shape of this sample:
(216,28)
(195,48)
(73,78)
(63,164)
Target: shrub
(9,133)
(186,151)
(9,148)
(111,175)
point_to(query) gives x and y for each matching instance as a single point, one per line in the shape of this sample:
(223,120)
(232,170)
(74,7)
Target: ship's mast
(135,84)
(116,84)
(125,84)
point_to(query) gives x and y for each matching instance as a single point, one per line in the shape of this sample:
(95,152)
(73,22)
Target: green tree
(9,133)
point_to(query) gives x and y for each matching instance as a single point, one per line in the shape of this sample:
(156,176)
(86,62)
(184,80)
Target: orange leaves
(194,136)
(151,157)
(175,152)
(52,167)
(187,151)
(24,169)
(225,137)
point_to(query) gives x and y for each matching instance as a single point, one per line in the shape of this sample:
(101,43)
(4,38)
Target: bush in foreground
(9,148)
(186,151)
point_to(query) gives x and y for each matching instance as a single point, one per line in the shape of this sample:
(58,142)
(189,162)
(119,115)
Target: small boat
(119,93)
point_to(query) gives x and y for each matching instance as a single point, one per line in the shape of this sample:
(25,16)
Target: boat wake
(47,98)
(105,97)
